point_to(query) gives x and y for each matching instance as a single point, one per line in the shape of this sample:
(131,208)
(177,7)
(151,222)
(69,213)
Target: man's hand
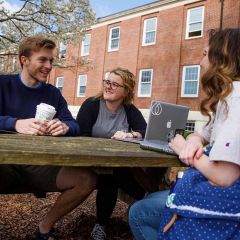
(57,128)
(31,126)
(187,150)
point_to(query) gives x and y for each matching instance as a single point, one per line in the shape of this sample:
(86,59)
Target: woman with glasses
(111,114)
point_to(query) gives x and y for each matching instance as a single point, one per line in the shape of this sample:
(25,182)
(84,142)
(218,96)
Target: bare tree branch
(8,39)
(18,28)
(24,5)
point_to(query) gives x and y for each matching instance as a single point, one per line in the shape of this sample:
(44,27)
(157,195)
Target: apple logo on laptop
(169,124)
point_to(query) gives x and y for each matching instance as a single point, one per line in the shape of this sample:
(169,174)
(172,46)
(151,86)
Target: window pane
(86,49)
(145,89)
(195,15)
(82,90)
(82,82)
(150,24)
(115,33)
(145,82)
(3,65)
(191,87)
(149,31)
(14,64)
(195,34)
(150,37)
(191,73)
(195,22)
(114,43)
(59,81)
(146,76)
(114,39)
(87,39)
(62,50)
(86,44)
(195,27)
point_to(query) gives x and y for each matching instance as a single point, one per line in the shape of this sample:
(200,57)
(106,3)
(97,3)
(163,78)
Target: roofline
(141,10)
(128,11)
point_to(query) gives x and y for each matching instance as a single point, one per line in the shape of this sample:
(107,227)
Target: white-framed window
(82,83)
(14,63)
(59,83)
(114,38)
(190,81)
(86,45)
(149,31)
(145,83)
(62,50)
(190,126)
(3,63)
(195,19)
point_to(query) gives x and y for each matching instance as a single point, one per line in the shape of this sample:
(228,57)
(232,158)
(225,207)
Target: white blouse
(223,132)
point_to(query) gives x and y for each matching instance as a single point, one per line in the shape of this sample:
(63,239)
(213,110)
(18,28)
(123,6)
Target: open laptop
(165,121)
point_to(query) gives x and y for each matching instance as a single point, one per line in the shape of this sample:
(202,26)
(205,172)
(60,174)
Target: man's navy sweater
(18,101)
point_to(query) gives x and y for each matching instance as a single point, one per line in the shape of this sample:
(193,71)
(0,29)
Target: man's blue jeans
(144,215)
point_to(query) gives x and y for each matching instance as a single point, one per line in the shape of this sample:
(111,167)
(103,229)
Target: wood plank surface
(78,151)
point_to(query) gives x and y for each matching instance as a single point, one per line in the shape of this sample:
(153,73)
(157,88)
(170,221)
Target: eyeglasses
(113,85)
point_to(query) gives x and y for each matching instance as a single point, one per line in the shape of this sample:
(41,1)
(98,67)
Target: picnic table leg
(148,179)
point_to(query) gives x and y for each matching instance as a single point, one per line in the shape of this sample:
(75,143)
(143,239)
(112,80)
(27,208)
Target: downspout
(221,14)
(180,59)
(140,34)
(239,16)
(76,74)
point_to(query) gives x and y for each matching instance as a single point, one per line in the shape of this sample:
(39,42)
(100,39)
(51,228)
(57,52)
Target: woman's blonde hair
(224,68)
(128,83)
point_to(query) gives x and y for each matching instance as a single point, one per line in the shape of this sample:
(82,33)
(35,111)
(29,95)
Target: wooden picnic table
(78,151)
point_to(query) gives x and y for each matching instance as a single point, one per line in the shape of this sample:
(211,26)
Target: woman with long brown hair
(207,200)
(206,203)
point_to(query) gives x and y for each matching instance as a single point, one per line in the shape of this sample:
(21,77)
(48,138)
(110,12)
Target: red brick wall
(163,57)
(191,50)
(167,57)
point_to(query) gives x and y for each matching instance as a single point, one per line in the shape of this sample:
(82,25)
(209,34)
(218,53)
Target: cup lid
(46,106)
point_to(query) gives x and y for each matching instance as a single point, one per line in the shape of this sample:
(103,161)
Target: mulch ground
(21,213)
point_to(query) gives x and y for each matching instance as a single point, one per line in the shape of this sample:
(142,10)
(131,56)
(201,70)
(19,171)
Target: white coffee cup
(45,112)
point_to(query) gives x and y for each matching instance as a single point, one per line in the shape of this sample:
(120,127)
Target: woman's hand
(122,134)
(188,149)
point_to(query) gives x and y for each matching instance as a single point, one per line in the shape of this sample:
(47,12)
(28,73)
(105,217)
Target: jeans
(144,215)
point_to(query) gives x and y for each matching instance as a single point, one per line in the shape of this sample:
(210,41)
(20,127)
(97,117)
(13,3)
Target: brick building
(161,43)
